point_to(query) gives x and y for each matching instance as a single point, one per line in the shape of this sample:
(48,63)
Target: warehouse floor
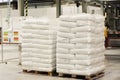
(12,71)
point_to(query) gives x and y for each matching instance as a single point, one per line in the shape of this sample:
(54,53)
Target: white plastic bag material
(63,40)
(100,45)
(42,65)
(94,70)
(87,57)
(68,24)
(60,70)
(88,61)
(26,54)
(24,59)
(38,51)
(83,51)
(83,29)
(66,35)
(45,51)
(36,26)
(100,49)
(65,66)
(42,56)
(64,56)
(83,46)
(38,36)
(37,41)
(85,23)
(68,18)
(99,18)
(101,25)
(27,63)
(79,67)
(64,29)
(99,30)
(40,32)
(26,50)
(65,45)
(100,40)
(63,61)
(27,35)
(85,40)
(40,46)
(84,34)
(43,68)
(62,50)
(46,61)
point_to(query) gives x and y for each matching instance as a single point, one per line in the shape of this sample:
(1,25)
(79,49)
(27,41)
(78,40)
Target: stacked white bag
(38,45)
(80,44)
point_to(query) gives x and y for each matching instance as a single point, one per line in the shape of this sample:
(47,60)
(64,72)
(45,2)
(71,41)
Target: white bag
(65,56)
(84,34)
(85,40)
(68,18)
(68,24)
(83,29)
(85,23)
(65,45)
(66,35)
(64,29)
(62,50)
(83,51)
(83,46)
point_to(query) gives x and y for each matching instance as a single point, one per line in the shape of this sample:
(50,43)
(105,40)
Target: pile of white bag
(38,45)
(80,44)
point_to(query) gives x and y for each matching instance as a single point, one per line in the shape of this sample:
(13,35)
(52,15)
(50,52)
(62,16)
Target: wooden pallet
(84,77)
(39,72)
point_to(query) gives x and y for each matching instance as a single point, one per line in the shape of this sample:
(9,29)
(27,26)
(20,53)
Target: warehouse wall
(49,11)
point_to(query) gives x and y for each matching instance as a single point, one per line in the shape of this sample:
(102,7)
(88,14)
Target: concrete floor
(12,71)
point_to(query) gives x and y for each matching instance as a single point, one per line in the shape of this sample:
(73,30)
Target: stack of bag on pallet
(80,44)
(38,45)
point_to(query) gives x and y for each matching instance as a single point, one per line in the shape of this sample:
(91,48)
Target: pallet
(39,72)
(84,77)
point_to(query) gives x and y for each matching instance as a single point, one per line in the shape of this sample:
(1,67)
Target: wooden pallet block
(95,76)
(38,72)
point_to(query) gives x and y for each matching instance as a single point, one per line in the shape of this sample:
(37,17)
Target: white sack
(83,29)
(68,18)
(83,51)
(84,34)
(64,56)
(66,35)
(65,45)
(83,40)
(89,61)
(64,29)
(65,66)
(62,50)
(68,24)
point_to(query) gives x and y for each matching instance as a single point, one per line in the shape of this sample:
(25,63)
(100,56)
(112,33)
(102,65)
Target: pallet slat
(39,72)
(86,77)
